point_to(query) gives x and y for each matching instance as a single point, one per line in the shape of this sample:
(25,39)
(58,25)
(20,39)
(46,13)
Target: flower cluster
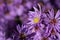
(19,22)
(44,25)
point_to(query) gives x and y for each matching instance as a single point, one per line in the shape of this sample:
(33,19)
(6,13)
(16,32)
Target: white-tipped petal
(39,8)
(35,9)
(57,14)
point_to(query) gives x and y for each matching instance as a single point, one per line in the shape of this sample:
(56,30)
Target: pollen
(36,20)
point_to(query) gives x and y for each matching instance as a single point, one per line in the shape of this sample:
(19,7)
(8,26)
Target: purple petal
(51,13)
(57,14)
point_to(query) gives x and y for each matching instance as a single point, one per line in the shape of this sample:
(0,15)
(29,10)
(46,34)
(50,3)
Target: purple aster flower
(19,9)
(10,15)
(34,17)
(34,20)
(53,22)
(24,33)
(52,18)
(10,4)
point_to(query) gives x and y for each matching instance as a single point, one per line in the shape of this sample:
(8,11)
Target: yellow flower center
(36,20)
